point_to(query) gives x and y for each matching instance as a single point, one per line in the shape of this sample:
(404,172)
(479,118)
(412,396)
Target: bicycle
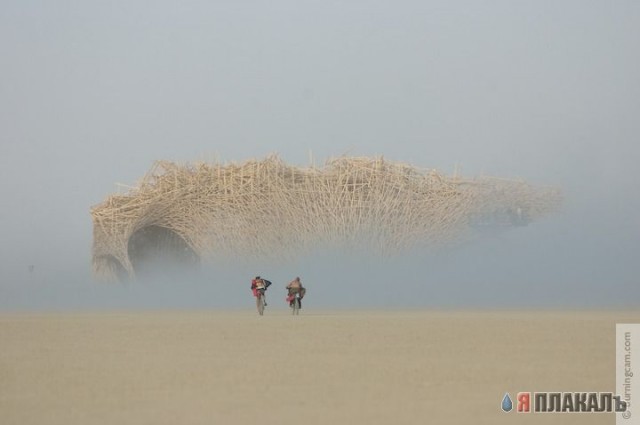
(259,287)
(260,303)
(295,305)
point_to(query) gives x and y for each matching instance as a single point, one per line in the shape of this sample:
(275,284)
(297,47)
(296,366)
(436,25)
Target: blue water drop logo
(506,403)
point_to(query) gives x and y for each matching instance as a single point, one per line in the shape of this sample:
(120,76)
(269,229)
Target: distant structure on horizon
(180,214)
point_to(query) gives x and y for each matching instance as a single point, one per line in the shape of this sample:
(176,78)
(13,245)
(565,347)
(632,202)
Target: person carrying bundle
(259,287)
(295,287)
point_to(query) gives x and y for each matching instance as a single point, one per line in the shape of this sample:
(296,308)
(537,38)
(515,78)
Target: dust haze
(91,94)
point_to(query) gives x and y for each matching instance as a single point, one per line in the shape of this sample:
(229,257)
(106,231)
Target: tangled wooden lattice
(269,208)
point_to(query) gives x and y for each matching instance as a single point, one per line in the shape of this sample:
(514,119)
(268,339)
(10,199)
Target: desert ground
(330,367)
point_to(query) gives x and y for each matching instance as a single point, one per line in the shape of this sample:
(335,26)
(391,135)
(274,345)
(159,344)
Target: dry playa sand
(359,367)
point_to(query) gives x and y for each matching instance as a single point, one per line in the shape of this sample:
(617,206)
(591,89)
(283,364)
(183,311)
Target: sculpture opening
(110,266)
(157,251)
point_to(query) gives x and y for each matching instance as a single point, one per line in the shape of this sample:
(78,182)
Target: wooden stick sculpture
(269,208)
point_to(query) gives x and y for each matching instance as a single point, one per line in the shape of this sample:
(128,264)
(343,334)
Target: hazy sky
(91,93)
